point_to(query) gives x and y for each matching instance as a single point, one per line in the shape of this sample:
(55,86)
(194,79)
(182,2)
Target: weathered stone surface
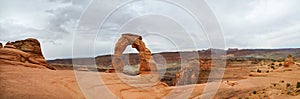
(288,61)
(146,62)
(24,51)
(29,45)
(9,45)
(188,75)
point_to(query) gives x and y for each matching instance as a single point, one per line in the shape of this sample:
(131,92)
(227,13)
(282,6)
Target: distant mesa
(26,52)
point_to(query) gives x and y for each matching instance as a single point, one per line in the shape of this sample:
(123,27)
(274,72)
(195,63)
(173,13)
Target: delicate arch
(136,42)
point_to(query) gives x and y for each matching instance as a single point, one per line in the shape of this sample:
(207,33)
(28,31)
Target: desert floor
(17,81)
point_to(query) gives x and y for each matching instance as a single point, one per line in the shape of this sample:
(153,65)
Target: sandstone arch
(146,63)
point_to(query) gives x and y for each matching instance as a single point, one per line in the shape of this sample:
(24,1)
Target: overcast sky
(245,24)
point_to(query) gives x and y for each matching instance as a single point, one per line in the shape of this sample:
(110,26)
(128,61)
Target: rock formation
(146,62)
(0,45)
(9,45)
(26,52)
(288,61)
(188,75)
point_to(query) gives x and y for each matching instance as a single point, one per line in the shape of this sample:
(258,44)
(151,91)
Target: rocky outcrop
(146,62)
(30,45)
(188,75)
(24,51)
(9,45)
(288,61)
(1,45)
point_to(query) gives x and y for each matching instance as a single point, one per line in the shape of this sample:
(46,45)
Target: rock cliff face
(27,52)
(188,75)
(0,45)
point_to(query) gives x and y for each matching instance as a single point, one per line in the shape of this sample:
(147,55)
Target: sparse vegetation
(298,85)
(288,84)
(280,64)
(272,67)
(258,70)
(272,64)
(254,92)
(282,81)
(267,71)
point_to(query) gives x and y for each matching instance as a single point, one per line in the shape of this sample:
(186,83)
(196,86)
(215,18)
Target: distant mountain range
(175,57)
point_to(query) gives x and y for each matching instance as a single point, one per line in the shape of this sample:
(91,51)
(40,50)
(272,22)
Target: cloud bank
(245,24)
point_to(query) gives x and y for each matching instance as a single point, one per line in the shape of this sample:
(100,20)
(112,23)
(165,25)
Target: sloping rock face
(9,45)
(288,61)
(146,62)
(188,75)
(27,52)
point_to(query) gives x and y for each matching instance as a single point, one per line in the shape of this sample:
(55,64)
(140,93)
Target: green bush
(254,92)
(259,71)
(288,84)
(298,85)
(272,67)
(272,64)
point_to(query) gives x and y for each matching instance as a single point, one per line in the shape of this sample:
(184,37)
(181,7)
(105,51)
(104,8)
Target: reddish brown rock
(24,51)
(288,61)
(29,45)
(188,75)
(146,63)
(9,45)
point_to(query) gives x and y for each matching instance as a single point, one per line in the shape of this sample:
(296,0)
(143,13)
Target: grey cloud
(246,24)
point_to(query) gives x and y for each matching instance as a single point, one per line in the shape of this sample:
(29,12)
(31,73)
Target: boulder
(288,61)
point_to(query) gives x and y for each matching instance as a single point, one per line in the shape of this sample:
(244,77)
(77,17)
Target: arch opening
(146,62)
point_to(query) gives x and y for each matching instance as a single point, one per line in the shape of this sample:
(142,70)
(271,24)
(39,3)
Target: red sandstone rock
(288,61)
(146,63)
(9,45)
(24,51)
(188,75)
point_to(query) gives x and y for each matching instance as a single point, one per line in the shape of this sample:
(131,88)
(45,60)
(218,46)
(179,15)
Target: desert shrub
(288,92)
(267,71)
(282,81)
(272,64)
(288,84)
(272,67)
(298,85)
(254,92)
(280,64)
(259,71)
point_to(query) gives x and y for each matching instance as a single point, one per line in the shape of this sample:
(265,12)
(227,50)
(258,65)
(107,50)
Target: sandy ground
(17,81)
